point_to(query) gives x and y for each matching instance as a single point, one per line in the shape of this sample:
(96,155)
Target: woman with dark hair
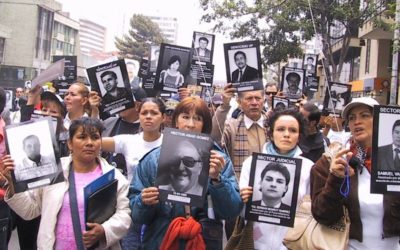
(151,118)
(374,218)
(191,114)
(171,77)
(286,127)
(56,229)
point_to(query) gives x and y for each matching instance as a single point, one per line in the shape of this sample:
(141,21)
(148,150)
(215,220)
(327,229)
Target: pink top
(65,238)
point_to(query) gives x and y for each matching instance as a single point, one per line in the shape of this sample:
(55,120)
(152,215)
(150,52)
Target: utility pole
(395,58)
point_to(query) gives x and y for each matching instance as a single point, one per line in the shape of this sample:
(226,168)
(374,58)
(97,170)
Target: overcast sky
(115,15)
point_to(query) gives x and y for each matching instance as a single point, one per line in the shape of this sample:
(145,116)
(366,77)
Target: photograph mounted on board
(183,169)
(132,67)
(311,86)
(203,47)
(292,83)
(111,82)
(280,103)
(337,96)
(9,99)
(207,93)
(243,65)
(385,172)
(34,149)
(70,73)
(173,67)
(310,64)
(154,55)
(275,182)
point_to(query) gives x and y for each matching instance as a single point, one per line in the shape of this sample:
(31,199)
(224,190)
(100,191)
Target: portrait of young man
(274,182)
(34,164)
(202,50)
(388,155)
(293,80)
(112,93)
(154,58)
(309,65)
(244,72)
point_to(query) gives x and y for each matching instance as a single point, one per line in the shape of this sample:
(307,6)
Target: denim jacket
(225,197)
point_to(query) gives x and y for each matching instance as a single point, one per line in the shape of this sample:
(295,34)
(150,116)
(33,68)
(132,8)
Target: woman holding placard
(58,228)
(285,129)
(191,114)
(374,218)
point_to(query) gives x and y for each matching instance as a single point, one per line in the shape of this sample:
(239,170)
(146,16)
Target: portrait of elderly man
(113,92)
(388,155)
(34,164)
(274,182)
(184,170)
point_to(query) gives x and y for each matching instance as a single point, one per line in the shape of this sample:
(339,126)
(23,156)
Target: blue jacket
(225,197)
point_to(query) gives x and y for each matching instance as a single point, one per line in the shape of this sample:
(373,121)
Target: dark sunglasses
(169,112)
(187,161)
(270,93)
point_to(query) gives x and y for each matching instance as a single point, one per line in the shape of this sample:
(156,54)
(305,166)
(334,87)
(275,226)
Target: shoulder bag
(307,233)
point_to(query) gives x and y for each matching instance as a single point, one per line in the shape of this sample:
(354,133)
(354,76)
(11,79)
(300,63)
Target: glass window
(2,48)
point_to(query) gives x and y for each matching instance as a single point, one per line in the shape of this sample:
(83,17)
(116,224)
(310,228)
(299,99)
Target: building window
(368,56)
(44,31)
(2,48)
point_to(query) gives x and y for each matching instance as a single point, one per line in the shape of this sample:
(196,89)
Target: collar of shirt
(276,206)
(30,163)
(244,68)
(248,122)
(67,121)
(393,148)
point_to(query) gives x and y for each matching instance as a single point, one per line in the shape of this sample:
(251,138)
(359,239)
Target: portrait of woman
(172,77)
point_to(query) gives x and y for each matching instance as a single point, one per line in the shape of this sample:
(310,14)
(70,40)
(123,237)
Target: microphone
(354,162)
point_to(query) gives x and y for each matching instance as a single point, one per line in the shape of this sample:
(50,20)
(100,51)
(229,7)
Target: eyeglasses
(188,161)
(270,93)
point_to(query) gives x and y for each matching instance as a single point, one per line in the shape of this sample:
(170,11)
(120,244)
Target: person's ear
(286,189)
(69,144)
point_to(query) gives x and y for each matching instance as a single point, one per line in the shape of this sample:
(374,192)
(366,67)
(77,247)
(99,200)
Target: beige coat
(47,201)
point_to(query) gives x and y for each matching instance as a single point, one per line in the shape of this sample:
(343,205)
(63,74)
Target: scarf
(241,143)
(362,154)
(272,150)
(185,229)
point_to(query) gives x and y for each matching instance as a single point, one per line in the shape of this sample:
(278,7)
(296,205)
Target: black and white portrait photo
(154,56)
(312,83)
(280,103)
(292,82)
(207,93)
(143,68)
(203,47)
(310,64)
(173,67)
(243,65)
(9,99)
(32,146)
(111,82)
(183,167)
(275,183)
(337,96)
(386,150)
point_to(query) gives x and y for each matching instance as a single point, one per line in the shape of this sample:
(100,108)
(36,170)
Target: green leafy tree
(283,25)
(142,33)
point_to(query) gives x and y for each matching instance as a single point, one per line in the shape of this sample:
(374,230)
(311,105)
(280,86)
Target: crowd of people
(240,124)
